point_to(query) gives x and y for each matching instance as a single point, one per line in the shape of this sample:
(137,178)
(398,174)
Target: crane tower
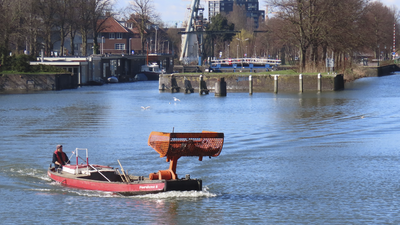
(190,41)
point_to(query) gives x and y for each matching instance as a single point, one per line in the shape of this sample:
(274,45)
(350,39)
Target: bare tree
(316,23)
(380,20)
(73,23)
(61,20)
(46,11)
(142,15)
(100,8)
(90,12)
(239,18)
(11,13)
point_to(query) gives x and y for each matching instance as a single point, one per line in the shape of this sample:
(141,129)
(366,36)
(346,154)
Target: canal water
(288,158)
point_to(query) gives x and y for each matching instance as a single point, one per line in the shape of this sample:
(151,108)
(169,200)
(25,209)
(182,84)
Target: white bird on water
(176,99)
(144,108)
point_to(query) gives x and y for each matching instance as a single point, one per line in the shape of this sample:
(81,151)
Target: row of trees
(344,27)
(29,25)
(310,30)
(305,29)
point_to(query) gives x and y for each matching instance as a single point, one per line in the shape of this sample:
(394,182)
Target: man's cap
(59,146)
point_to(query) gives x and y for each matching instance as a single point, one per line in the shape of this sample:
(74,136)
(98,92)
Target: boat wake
(178,194)
(29,173)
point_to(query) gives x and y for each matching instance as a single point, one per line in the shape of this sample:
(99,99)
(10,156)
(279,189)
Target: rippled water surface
(288,158)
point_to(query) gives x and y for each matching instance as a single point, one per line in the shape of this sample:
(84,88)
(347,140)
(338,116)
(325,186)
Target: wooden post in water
(301,83)
(276,83)
(220,87)
(250,85)
(319,82)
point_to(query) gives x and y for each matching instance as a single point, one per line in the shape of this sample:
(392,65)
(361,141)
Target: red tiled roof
(135,30)
(110,25)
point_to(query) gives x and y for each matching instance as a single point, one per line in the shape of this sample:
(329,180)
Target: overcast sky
(175,11)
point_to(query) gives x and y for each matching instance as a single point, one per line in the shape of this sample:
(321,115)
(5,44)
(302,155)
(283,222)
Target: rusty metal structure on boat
(175,145)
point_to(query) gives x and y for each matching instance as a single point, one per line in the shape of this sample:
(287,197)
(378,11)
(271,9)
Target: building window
(118,35)
(120,46)
(112,35)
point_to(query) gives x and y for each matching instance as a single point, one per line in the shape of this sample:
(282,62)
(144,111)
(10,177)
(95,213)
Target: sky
(175,11)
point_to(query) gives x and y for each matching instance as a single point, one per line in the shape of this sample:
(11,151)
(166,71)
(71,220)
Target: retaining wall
(261,83)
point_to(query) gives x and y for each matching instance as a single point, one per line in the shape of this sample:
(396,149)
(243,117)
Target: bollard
(276,83)
(301,83)
(250,85)
(319,82)
(220,87)
(174,84)
(201,81)
(161,87)
(188,86)
(203,86)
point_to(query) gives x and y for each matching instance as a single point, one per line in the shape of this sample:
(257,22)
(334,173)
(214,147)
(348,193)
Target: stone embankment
(36,82)
(254,83)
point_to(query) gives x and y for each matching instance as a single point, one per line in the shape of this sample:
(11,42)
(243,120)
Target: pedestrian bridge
(244,63)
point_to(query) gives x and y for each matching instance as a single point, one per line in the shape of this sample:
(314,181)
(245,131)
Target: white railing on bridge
(254,61)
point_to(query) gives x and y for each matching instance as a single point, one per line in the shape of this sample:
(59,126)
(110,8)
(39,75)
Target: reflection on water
(328,157)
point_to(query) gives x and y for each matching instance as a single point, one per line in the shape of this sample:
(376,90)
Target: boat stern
(184,185)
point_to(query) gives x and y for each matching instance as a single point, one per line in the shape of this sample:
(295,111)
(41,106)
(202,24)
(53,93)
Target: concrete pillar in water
(250,85)
(276,83)
(301,83)
(319,82)
(220,87)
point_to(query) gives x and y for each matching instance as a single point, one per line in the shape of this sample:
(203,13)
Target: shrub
(20,63)
(46,68)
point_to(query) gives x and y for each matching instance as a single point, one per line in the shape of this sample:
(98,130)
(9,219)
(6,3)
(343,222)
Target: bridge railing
(255,61)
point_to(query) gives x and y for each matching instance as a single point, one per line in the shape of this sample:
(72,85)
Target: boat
(95,177)
(152,71)
(112,79)
(96,82)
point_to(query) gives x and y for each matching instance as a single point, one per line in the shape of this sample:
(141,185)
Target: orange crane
(175,145)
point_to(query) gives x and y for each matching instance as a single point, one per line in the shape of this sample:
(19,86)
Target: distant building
(251,6)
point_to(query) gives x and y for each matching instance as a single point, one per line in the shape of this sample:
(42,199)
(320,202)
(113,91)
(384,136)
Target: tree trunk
(62,34)
(72,43)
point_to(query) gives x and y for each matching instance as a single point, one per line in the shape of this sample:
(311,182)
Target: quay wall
(37,82)
(261,83)
(380,71)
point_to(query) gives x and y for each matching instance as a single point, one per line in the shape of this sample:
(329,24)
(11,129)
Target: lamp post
(242,42)
(102,45)
(228,50)
(379,54)
(238,47)
(384,58)
(237,51)
(151,45)
(155,44)
(130,48)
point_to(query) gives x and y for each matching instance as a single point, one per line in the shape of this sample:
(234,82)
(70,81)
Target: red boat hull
(118,187)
